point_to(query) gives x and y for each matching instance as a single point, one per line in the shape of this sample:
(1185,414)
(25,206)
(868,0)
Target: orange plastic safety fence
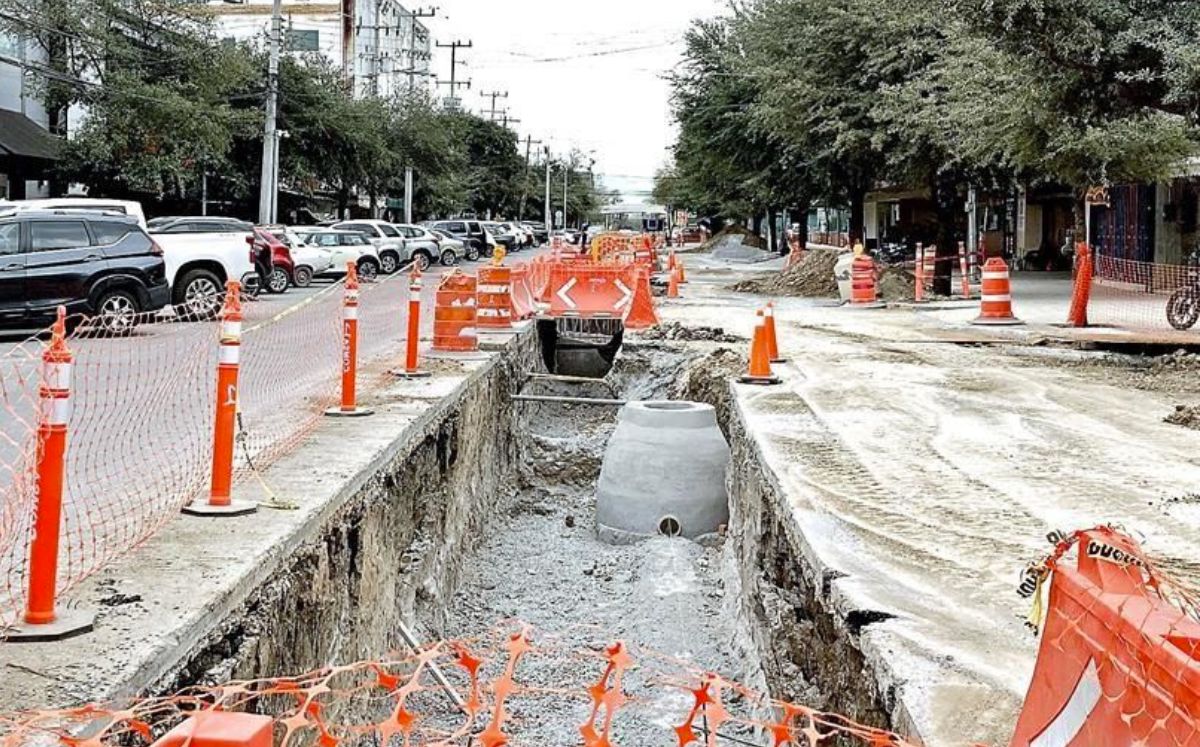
(1159,299)
(510,688)
(140,433)
(20,376)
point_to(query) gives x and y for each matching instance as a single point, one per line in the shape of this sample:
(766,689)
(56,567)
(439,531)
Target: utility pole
(267,188)
(549,215)
(408,194)
(507,120)
(566,173)
(454,63)
(494,95)
(412,39)
(529,143)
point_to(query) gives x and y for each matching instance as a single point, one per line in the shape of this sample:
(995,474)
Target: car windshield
(388,230)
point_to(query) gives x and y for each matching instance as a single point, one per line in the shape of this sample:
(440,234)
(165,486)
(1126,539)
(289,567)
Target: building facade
(27,150)
(381,48)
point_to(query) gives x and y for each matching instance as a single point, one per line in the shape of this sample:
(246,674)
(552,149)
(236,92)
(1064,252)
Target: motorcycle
(1183,307)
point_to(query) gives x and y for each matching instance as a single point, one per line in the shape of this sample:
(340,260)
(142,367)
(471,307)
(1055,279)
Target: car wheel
(117,312)
(389,263)
(422,260)
(449,258)
(277,281)
(472,253)
(302,277)
(368,268)
(199,296)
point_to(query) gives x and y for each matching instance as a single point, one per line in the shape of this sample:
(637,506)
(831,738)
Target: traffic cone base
(418,374)
(233,508)
(67,623)
(760,380)
(356,412)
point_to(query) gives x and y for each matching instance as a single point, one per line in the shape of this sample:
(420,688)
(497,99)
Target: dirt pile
(678,332)
(811,277)
(896,284)
(720,238)
(1187,416)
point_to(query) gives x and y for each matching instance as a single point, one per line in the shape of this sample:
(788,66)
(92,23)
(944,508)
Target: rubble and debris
(1187,416)
(811,277)
(682,333)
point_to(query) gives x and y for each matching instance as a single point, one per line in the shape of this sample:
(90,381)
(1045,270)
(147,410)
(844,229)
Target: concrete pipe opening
(663,474)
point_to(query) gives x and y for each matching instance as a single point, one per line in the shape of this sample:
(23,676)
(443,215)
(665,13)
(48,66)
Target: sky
(583,74)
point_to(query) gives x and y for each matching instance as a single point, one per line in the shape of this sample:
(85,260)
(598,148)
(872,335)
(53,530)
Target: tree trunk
(756,225)
(948,207)
(858,214)
(343,201)
(799,216)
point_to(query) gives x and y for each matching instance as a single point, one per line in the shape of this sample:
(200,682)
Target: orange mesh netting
(1148,297)
(139,443)
(510,688)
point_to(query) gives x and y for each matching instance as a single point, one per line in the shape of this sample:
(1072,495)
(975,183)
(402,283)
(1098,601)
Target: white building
(378,44)
(26,148)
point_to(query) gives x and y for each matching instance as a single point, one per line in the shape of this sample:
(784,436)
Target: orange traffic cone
(682,272)
(995,305)
(673,284)
(760,363)
(772,340)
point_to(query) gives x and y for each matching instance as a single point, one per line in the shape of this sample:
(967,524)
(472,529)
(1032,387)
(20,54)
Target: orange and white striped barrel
(494,298)
(995,305)
(862,282)
(454,317)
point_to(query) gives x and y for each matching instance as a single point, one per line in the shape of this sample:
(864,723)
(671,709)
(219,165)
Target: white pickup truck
(198,264)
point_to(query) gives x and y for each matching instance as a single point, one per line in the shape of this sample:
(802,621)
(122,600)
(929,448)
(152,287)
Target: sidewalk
(927,474)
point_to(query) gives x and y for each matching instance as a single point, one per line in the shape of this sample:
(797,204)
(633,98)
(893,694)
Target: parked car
(449,243)
(471,233)
(689,235)
(386,238)
(282,266)
(523,235)
(344,247)
(308,260)
(197,224)
(100,264)
(426,245)
(504,236)
(540,234)
(198,265)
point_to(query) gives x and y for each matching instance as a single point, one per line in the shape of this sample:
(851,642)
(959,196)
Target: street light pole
(566,173)
(267,188)
(549,215)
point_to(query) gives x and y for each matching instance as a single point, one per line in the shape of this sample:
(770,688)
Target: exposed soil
(749,238)
(896,284)
(1185,415)
(542,564)
(679,332)
(811,277)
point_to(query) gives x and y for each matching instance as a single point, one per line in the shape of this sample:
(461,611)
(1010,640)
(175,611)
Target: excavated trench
(486,517)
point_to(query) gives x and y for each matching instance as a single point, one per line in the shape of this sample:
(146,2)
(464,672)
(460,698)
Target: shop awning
(20,136)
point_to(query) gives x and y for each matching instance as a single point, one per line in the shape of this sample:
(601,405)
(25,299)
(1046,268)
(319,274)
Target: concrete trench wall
(808,649)
(392,553)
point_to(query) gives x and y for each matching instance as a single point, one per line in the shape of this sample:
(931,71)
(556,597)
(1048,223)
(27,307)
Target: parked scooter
(1183,307)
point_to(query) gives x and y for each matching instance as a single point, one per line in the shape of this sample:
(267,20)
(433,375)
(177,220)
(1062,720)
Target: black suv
(99,264)
(470,232)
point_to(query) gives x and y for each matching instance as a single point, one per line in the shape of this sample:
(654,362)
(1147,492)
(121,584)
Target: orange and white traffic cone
(682,271)
(863,292)
(220,501)
(411,353)
(349,407)
(673,284)
(772,340)
(995,305)
(42,620)
(760,363)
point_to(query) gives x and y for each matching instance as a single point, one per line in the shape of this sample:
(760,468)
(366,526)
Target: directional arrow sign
(626,294)
(564,292)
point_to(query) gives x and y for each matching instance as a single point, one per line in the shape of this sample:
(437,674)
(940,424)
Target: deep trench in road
(541,563)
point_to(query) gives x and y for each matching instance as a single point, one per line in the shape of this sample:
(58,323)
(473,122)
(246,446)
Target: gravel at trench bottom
(543,565)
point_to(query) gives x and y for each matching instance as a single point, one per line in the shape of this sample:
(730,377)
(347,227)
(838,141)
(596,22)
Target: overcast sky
(582,73)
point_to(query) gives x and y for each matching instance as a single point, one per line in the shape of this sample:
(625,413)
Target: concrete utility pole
(493,95)
(412,39)
(529,143)
(268,186)
(408,194)
(454,63)
(566,173)
(549,215)
(507,120)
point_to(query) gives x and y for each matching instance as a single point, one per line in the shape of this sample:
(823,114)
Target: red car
(282,265)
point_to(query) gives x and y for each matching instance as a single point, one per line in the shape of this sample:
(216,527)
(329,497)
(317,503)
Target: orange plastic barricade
(591,291)
(642,314)
(995,305)
(494,298)
(221,729)
(1118,663)
(539,278)
(454,318)
(522,297)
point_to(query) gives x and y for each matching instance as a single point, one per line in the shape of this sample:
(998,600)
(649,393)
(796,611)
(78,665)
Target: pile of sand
(724,236)
(896,284)
(811,277)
